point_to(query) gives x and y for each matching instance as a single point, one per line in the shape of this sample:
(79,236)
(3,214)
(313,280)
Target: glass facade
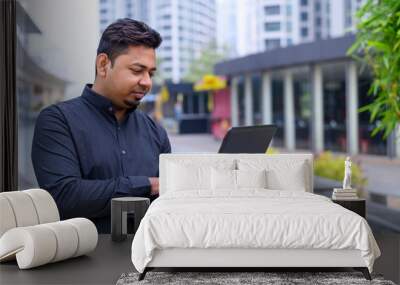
(334,108)
(277,111)
(241,103)
(302,107)
(367,143)
(257,99)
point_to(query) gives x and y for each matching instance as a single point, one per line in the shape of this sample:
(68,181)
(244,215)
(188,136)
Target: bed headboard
(211,159)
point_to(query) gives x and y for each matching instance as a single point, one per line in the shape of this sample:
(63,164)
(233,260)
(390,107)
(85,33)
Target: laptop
(252,139)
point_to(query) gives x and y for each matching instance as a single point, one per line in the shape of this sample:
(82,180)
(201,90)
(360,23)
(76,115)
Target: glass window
(272,26)
(289,10)
(272,10)
(317,6)
(272,43)
(304,2)
(304,32)
(289,27)
(304,16)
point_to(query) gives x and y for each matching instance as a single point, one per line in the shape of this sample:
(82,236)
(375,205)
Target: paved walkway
(383,174)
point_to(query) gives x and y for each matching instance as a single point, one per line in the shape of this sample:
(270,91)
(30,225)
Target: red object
(221,114)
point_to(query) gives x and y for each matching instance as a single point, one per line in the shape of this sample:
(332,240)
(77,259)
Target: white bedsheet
(250,219)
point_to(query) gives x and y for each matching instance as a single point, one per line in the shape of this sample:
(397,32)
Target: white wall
(69,39)
(247,27)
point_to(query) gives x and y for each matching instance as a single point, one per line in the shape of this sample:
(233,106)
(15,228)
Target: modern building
(111,10)
(267,24)
(187,27)
(284,23)
(312,92)
(227,25)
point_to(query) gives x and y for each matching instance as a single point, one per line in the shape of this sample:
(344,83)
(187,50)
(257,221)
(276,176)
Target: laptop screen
(251,139)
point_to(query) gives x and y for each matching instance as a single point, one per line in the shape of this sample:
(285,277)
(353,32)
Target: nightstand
(358,206)
(124,208)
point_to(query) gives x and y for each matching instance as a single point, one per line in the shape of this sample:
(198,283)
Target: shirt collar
(99,101)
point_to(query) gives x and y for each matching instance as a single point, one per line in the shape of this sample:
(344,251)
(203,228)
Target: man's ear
(102,64)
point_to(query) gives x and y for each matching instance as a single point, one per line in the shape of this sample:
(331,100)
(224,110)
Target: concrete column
(234,102)
(352,108)
(397,141)
(248,101)
(317,123)
(267,98)
(393,143)
(288,105)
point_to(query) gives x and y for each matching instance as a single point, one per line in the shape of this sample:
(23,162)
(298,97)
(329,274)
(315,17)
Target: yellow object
(210,102)
(164,94)
(210,82)
(272,150)
(158,113)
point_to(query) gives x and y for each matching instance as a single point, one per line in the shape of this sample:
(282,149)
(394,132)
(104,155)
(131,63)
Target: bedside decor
(355,205)
(120,208)
(347,174)
(347,193)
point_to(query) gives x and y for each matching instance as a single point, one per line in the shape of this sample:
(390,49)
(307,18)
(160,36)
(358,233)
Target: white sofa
(31,231)
(244,210)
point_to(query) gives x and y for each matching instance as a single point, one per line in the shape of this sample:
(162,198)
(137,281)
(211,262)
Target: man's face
(129,79)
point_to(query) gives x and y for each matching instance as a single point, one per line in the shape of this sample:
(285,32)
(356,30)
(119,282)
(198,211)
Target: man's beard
(132,103)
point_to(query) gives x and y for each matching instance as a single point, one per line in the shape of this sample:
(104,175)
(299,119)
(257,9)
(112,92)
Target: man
(98,146)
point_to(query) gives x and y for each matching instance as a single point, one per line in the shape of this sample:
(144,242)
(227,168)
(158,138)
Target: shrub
(332,167)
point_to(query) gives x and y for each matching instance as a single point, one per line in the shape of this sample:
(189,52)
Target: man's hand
(154,185)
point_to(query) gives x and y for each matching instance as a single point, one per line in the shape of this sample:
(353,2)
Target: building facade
(283,23)
(253,26)
(312,92)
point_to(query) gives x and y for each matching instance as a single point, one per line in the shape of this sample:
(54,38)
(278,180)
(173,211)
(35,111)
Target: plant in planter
(332,167)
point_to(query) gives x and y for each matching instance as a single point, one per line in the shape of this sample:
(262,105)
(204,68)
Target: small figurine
(347,174)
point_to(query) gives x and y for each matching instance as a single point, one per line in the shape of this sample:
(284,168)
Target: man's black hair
(121,34)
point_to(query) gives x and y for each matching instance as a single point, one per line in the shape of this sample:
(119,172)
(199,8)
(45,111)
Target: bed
(247,210)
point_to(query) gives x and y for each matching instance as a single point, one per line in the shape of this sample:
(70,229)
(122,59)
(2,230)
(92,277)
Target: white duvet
(250,219)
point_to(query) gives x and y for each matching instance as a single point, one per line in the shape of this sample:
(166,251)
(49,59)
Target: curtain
(8,100)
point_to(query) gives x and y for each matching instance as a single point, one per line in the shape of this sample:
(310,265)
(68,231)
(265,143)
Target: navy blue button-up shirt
(84,157)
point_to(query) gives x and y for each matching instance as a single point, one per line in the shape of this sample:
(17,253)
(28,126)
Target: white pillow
(281,174)
(182,177)
(193,174)
(251,178)
(223,179)
(226,179)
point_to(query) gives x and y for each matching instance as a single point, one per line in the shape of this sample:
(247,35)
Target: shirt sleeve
(166,145)
(57,168)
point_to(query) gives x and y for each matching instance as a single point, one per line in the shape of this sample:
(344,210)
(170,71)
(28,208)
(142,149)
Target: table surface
(104,265)
(110,259)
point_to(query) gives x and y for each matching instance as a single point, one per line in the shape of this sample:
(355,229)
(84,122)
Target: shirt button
(110,109)
(123,152)
(119,128)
